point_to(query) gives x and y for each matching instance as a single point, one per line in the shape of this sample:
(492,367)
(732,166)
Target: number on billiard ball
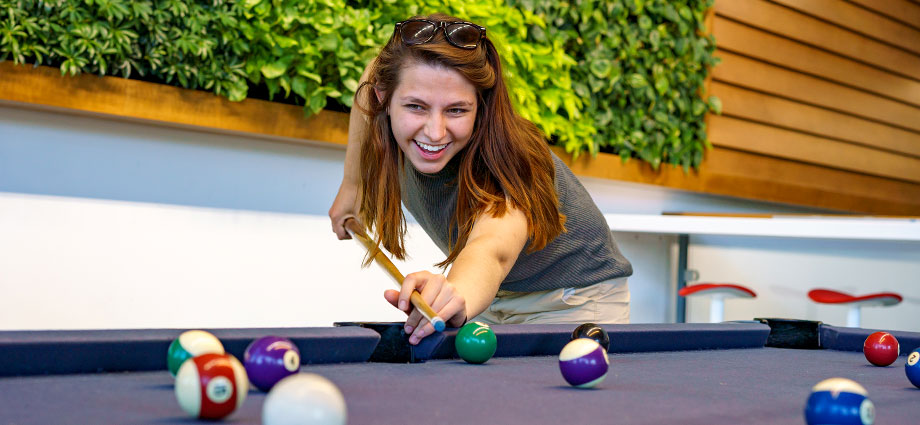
(269,359)
(912,367)
(211,386)
(839,401)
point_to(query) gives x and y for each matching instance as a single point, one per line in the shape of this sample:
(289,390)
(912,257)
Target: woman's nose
(435,128)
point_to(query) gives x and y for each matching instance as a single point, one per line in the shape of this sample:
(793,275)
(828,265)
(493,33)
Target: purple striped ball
(583,363)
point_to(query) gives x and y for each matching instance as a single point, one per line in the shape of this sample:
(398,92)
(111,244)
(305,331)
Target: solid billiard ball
(304,398)
(912,367)
(593,331)
(190,344)
(583,363)
(476,342)
(881,348)
(211,386)
(269,359)
(839,401)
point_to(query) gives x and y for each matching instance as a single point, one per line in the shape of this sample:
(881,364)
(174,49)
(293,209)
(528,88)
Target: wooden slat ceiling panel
(752,42)
(900,10)
(792,24)
(859,20)
(773,141)
(767,109)
(757,75)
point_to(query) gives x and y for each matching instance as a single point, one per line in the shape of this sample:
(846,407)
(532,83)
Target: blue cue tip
(438,324)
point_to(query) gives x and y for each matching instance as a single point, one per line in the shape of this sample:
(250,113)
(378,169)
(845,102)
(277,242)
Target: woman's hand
(344,207)
(443,297)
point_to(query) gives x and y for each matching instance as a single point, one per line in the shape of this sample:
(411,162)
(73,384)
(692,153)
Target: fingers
(338,227)
(442,296)
(429,286)
(414,281)
(455,310)
(445,300)
(392,296)
(344,206)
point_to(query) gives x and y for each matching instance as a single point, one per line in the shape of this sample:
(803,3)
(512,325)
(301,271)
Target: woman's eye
(456,110)
(414,107)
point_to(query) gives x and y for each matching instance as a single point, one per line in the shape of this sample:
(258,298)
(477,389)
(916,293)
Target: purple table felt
(696,386)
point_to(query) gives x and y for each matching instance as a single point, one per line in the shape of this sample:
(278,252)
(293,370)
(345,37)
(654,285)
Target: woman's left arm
(475,276)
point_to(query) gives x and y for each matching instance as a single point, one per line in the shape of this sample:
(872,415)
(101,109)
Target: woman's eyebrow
(413,99)
(460,103)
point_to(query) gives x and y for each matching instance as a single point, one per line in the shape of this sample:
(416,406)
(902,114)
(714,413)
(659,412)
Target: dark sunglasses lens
(416,32)
(464,35)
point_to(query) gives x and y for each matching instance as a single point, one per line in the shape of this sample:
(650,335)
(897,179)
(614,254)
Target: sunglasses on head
(465,35)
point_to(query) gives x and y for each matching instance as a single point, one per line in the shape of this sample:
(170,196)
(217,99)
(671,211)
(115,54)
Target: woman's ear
(379,94)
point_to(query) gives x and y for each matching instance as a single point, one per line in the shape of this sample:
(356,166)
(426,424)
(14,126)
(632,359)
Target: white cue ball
(304,398)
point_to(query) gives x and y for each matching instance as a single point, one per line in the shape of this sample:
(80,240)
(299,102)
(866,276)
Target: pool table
(727,373)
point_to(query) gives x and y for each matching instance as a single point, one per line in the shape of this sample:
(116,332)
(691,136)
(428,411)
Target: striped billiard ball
(190,344)
(211,386)
(839,401)
(583,363)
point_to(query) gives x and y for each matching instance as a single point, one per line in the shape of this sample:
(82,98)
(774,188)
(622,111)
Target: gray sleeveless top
(584,255)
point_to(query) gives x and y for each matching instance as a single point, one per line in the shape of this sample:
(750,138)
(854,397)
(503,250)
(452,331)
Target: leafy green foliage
(620,76)
(642,65)
(193,44)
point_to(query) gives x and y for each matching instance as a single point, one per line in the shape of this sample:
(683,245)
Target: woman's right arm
(346,204)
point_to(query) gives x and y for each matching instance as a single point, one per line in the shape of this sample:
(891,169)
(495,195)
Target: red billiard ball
(211,386)
(881,348)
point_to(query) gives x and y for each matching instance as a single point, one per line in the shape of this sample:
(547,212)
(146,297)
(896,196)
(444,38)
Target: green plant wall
(619,76)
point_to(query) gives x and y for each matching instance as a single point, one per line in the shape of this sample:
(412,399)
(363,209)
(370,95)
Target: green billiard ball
(191,344)
(475,342)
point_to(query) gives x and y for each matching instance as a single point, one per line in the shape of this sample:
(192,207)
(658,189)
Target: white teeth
(431,148)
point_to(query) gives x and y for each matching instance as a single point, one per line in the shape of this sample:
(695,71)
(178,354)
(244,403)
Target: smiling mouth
(431,148)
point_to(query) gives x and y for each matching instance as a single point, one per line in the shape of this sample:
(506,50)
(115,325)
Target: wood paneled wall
(821,107)
(825,87)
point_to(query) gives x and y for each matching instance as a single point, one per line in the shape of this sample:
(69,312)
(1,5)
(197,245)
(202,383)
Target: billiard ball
(583,363)
(912,367)
(593,331)
(269,359)
(881,348)
(839,401)
(304,398)
(476,342)
(211,386)
(190,344)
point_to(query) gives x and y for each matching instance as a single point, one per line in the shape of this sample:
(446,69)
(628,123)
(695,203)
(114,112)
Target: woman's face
(432,114)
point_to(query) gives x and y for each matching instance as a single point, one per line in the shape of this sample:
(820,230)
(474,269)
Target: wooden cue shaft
(358,233)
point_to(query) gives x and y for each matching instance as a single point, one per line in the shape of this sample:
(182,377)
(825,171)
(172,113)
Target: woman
(434,129)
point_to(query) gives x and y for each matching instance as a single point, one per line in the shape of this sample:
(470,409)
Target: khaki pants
(604,302)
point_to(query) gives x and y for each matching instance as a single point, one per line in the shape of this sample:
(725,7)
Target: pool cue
(357,233)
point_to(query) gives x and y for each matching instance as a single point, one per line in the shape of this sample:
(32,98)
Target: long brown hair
(506,159)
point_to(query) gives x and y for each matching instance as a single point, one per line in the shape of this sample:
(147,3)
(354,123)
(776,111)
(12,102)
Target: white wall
(782,271)
(107,224)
